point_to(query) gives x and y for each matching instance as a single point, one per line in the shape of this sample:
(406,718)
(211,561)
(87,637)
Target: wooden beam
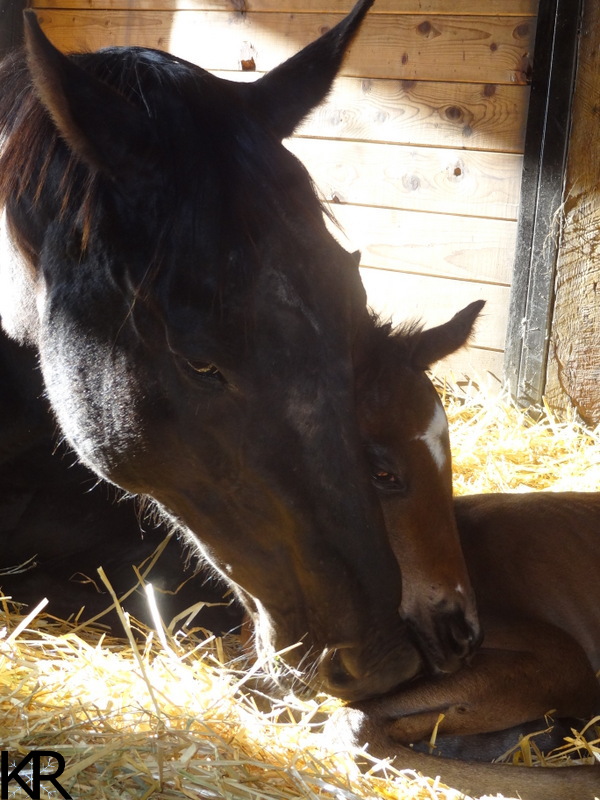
(574,356)
(400,46)
(503,8)
(467,249)
(449,181)
(473,116)
(467,115)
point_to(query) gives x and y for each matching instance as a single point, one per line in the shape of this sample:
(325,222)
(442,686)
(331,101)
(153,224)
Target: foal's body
(533,563)
(536,557)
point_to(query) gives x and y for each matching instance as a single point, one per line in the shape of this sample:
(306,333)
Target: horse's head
(197,327)
(406,431)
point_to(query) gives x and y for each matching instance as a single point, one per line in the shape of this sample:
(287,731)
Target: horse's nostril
(353,673)
(338,666)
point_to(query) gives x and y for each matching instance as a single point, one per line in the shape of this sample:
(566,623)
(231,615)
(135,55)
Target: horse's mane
(42,179)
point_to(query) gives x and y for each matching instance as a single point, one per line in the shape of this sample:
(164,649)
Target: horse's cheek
(97,405)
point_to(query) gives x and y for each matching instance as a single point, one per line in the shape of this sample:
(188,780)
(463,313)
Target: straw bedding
(170,719)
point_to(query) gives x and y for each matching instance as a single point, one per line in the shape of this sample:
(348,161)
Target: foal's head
(197,328)
(406,430)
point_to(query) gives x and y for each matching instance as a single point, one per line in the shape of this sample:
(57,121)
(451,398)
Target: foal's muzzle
(448,641)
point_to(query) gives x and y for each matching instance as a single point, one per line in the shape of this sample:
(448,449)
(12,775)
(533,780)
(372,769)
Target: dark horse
(198,329)
(533,562)
(58,523)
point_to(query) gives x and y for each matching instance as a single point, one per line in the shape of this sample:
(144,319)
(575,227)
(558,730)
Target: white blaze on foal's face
(435,436)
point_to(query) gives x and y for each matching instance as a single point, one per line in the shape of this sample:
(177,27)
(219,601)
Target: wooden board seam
(415,145)
(442,213)
(479,280)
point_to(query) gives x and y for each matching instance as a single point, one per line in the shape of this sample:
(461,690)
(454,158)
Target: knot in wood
(454,113)
(521,31)
(411,182)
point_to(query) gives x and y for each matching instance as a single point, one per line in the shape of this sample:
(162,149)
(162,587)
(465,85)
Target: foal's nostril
(460,635)
(447,638)
(475,636)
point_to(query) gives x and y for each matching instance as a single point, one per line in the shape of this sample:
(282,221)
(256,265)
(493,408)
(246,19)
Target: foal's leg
(549,735)
(522,672)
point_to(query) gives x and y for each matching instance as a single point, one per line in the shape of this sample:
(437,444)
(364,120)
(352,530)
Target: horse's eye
(206,370)
(389,482)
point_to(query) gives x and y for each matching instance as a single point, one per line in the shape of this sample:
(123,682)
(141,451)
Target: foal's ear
(436,343)
(286,94)
(85,110)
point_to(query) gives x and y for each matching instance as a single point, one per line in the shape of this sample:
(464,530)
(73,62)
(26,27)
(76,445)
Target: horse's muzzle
(351,673)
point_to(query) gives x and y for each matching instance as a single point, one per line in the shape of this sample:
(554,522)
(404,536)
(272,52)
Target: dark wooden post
(11,24)
(546,143)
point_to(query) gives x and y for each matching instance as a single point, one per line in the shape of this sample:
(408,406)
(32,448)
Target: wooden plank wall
(418,148)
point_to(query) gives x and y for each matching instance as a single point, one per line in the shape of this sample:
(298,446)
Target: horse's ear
(85,111)
(436,343)
(286,94)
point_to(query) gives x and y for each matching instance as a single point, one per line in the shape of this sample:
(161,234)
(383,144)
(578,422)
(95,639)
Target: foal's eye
(389,482)
(208,371)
